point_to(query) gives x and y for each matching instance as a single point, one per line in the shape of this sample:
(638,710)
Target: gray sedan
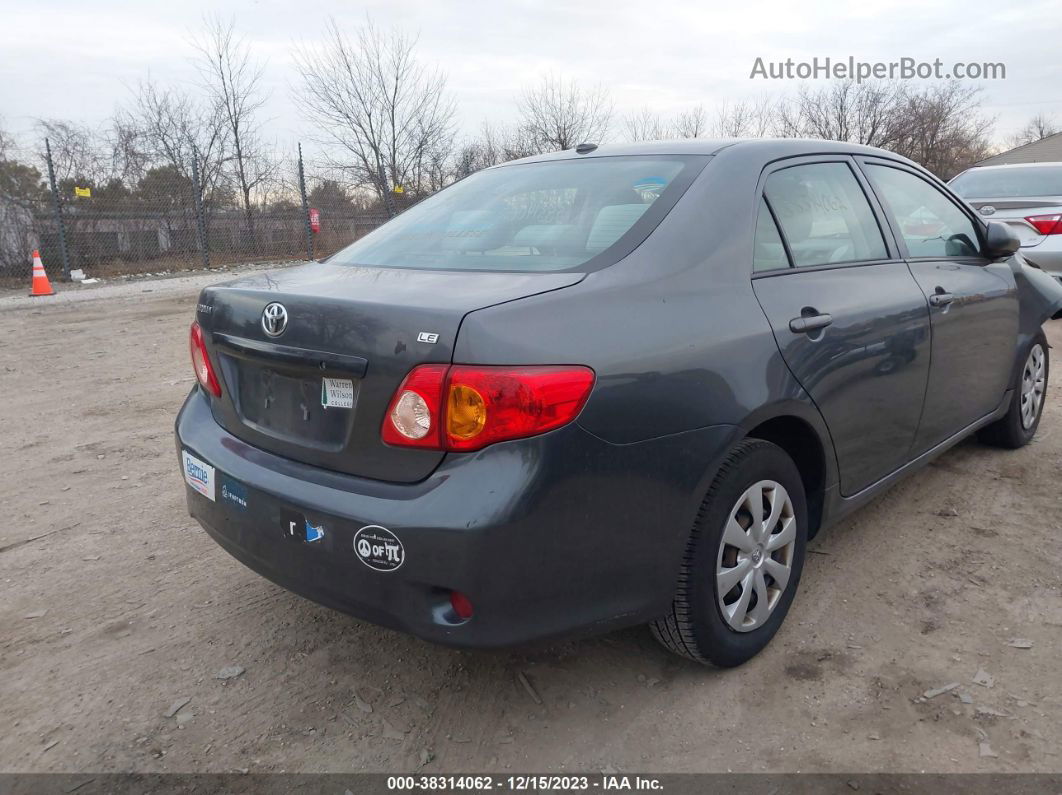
(607,386)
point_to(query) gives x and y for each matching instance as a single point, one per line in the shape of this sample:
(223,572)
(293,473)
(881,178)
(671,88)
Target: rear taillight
(201,362)
(467,407)
(1046,224)
(414,418)
(491,404)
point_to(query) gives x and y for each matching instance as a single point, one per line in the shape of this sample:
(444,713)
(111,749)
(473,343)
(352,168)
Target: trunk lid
(358,328)
(1013,210)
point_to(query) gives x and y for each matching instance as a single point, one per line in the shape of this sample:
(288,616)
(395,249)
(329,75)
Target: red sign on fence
(315,220)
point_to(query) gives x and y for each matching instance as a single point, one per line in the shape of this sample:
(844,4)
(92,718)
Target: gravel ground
(117,613)
(123,287)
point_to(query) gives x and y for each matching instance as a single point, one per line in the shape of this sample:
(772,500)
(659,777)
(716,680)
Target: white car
(1025,196)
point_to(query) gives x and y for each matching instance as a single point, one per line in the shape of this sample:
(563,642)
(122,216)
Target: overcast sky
(75,60)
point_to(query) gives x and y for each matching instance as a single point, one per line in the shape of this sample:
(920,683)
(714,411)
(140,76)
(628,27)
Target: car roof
(766,148)
(998,166)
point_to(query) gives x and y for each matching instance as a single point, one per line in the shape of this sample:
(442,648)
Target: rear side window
(768,252)
(929,221)
(824,215)
(546,216)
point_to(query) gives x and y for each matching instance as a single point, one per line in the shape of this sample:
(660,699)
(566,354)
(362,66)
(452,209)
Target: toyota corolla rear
(334,445)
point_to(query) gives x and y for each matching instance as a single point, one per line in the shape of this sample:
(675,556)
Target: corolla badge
(274,319)
(988,209)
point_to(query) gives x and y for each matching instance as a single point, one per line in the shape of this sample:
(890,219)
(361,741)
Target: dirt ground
(115,607)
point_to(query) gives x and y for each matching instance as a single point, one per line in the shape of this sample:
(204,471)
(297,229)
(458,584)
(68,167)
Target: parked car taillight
(201,362)
(414,418)
(467,407)
(1046,224)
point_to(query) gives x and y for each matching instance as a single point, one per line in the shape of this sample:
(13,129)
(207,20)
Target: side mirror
(1000,241)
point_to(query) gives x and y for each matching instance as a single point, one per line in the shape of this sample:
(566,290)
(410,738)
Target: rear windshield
(547,216)
(998,183)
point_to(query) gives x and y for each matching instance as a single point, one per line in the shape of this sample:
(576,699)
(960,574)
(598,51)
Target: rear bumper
(1047,254)
(556,535)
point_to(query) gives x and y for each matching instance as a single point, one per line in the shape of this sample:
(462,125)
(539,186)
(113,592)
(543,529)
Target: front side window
(547,216)
(930,223)
(824,215)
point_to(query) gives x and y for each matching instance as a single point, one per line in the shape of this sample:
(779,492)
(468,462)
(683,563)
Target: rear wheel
(743,559)
(1018,426)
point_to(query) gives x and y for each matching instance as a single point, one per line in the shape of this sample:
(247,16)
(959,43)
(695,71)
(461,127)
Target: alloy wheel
(756,555)
(1033,382)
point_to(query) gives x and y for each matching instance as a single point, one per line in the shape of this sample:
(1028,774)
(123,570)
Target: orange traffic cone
(41,285)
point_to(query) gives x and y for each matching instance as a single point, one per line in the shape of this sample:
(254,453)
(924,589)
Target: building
(17,238)
(1046,150)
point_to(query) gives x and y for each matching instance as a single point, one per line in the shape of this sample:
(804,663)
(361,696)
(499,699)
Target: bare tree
(943,129)
(483,152)
(435,170)
(234,84)
(378,105)
(19,182)
(939,125)
(164,127)
(1038,128)
(128,155)
(692,123)
(494,145)
(509,142)
(645,125)
(560,114)
(744,119)
(866,113)
(7,143)
(160,139)
(77,150)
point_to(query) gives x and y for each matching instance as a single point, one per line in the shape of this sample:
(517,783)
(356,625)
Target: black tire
(886,366)
(1010,431)
(696,627)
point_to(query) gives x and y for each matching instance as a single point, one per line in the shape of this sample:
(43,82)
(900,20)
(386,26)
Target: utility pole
(57,208)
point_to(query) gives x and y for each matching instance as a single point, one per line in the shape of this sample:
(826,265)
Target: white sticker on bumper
(337,393)
(198,475)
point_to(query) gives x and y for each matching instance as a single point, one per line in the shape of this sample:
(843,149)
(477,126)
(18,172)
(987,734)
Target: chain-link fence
(172,222)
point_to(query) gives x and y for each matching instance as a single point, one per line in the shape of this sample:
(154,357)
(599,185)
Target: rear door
(973,303)
(850,321)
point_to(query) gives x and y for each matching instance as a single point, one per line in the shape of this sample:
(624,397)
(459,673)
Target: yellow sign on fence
(84,193)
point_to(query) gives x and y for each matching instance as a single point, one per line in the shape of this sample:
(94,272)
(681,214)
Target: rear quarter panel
(674,331)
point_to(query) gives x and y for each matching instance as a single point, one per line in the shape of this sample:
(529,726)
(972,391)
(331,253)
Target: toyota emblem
(274,319)
(988,209)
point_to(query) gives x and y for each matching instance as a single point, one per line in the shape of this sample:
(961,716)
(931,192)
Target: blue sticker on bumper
(300,530)
(234,494)
(314,532)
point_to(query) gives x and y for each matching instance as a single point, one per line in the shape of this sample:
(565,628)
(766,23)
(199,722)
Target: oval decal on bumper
(379,548)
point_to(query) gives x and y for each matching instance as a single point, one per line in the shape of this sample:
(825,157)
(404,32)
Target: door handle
(941,298)
(805,324)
